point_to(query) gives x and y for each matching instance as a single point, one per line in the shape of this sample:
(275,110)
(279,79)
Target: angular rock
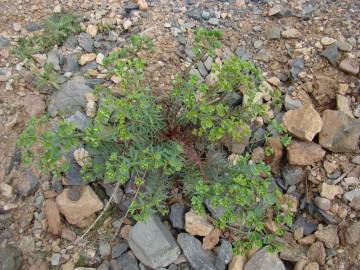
(350,66)
(263,260)
(293,175)
(308,228)
(331,53)
(292,253)
(152,243)
(118,250)
(85,42)
(216,212)
(28,184)
(304,153)
(53,59)
(273,33)
(330,191)
(304,123)
(11,258)
(343,105)
(177,214)
(340,133)
(71,63)
(275,159)
(328,236)
(104,249)
(80,120)
(292,104)
(52,214)
(291,33)
(352,195)
(70,98)
(224,255)
(237,263)
(317,253)
(77,211)
(87,58)
(196,224)
(211,240)
(127,261)
(352,233)
(197,257)
(296,67)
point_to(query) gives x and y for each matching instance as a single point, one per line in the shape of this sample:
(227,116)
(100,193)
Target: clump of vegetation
(157,145)
(55,30)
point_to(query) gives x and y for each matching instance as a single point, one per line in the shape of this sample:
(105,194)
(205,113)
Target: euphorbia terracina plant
(174,144)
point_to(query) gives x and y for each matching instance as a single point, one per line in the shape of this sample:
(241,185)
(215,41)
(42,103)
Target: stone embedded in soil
(197,224)
(304,123)
(317,253)
(70,98)
(68,234)
(322,203)
(293,174)
(53,218)
(328,236)
(296,67)
(80,120)
(263,260)
(343,105)
(197,257)
(330,191)
(85,42)
(11,258)
(152,243)
(177,214)
(273,33)
(291,33)
(77,211)
(331,53)
(71,63)
(352,233)
(304,153)
(340,133)
(34,105)
(28,183)
(350,66)
(119,249)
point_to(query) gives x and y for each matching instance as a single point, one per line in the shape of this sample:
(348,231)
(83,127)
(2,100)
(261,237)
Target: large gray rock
(153,244)
(10,258)
(70,98)
(224,256)
(177,214)
(340,132)
(263,260)
(197,257)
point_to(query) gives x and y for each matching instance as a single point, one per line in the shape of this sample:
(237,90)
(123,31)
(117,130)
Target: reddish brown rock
(316,253)
(211,240)
(68,234)
(52,214)
(304,153)
(304,123)
(275,159)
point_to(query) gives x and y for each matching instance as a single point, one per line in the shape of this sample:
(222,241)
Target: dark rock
(197,257)
(93,82)
(119,249)
(243,53)
(189,52)
(177,215)
(70,98)
(130,6)
(4,43)
(80,120)
(109,189)
(73,175)
(263,260)
(71,63)
(326,217)
(152,243)
(56,185)
(128,262)
(29,185)
(32,27)
(224,256)
(74,193)
(202,69)
(194,14)
(70,43)
(181,39)
(89,66)
(296,67)
(309,228)
(86,42)
(331,53)
(308,11)
(11,258)
(293,175)
(216,212)
(53,59)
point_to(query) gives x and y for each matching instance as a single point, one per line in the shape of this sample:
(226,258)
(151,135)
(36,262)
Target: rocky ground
(310,50)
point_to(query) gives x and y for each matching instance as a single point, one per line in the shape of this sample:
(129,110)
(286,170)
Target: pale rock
(344,46)
(127,24)
(275,81)
(291,33)
(100,58)
(6,190)
(86,58)
(350,66)
(196,224)
(300,264)
(81,156)
(143,5)
(52,214)
(328,236)
(91,30)
(304,153)
(326,41)
(91,109)
(211,240)
(57,9)
(322,203)
(274,10)
(330,191)
(304,123)
(40,58)
(237,263)
(17,27)
(240,3)
(77,211)
(352,233)
(343,104)
(316,253)
(312,266)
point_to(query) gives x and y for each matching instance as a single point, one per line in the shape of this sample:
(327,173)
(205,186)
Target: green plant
(47,77)
(156,145)
(55,31)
